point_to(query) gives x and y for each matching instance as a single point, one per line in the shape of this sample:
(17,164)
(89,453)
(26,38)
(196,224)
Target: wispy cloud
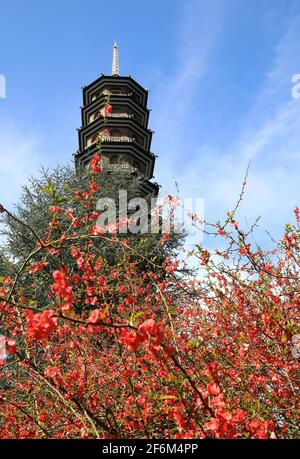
(270,137)
(196,33)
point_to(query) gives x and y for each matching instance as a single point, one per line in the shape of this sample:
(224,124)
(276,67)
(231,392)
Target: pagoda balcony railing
(108,93)
(111,115)
(112,93)
(111,139)
(118,167)
(122,138)
(120,115)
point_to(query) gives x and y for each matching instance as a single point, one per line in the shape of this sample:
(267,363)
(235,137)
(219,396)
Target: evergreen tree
(63,190)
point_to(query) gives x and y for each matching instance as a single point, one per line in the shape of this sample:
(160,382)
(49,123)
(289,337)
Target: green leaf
(60,200)
(50,189)
(50,185)
(46,190)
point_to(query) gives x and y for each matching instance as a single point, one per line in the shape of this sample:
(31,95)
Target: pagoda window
(94,116)
(116,91)
(91,140)
(95,96)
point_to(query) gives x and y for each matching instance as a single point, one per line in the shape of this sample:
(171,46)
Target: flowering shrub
(120,352)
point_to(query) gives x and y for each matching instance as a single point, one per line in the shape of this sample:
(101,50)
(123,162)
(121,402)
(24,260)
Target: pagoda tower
(115,111)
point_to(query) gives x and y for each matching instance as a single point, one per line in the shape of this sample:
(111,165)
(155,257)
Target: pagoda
(115,111)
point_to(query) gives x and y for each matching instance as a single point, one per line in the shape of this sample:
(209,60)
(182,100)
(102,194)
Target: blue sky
(219,72)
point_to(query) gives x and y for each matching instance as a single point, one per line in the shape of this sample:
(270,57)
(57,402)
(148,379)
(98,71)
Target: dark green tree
(64,188)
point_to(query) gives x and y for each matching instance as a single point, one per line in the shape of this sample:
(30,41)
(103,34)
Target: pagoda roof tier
(140,135)
(141,113)
(115,82)
(150,188)
(146,159)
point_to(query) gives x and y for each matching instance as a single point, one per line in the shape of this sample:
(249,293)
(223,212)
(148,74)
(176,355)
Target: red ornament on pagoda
(107,109)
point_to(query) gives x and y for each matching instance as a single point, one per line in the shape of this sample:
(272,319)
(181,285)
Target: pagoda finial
(115,62)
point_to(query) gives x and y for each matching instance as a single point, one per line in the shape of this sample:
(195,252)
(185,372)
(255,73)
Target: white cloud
(199,27)
(270,137)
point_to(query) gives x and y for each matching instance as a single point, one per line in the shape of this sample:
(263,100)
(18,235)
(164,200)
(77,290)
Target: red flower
(54,209)
(213,389)
(42,324)
(95,317)
(164,238)
(180,419)
(150,328)
(204,257)
(147,327)
(37,266)
(213,424)
(97,230)
(62,289)
(107,109)
(131,339)
(95,166)
(11,346)
(94,187)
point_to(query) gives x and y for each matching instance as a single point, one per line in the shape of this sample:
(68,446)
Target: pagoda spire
(115,61)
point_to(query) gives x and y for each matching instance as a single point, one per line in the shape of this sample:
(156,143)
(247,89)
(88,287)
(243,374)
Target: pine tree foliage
(57,188)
